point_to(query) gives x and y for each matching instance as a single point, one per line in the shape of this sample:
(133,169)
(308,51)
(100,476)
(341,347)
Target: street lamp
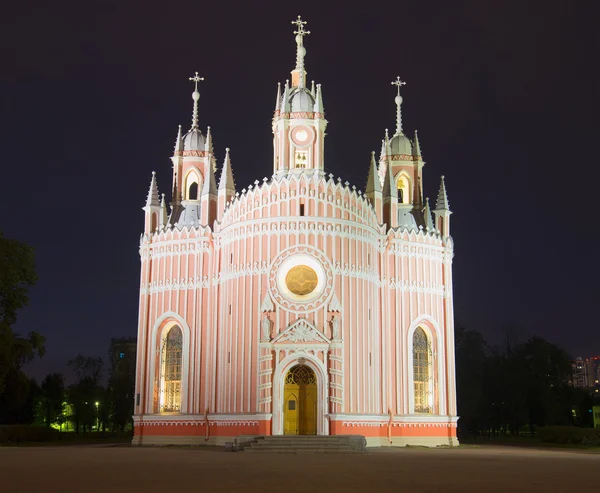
(97,416)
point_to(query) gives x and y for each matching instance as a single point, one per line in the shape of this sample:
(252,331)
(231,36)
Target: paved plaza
(92,469)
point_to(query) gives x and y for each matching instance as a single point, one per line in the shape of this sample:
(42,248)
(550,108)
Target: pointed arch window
(193,191)
(171,369)
(422,372)
(192,185)
(403,186)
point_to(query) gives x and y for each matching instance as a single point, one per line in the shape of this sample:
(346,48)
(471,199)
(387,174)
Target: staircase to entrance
(294,444)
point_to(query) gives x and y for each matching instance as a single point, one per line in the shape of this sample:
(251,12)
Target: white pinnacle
(300,50)
(398,83)
(195,97)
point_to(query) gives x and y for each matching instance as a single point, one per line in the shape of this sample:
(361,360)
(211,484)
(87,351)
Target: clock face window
(301,135)
(301,280)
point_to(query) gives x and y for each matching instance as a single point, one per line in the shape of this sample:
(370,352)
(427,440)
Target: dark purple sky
(505,96)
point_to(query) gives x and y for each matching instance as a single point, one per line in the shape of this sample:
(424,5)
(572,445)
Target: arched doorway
(300,401)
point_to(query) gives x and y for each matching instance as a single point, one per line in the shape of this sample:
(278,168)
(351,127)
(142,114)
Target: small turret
(178,143)
(442,210)
(390,196)
(226,185)
(278,102)
(208,199)
(373,190)
(152,208)
(286,108)
(417,146)
(319,101)
(429,224)
(164,215)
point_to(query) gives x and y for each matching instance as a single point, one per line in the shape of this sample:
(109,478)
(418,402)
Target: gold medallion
(301,280)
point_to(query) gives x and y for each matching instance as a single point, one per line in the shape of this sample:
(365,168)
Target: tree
(17,275)
(84,393)
(470,361)
(121,383)
(52,398)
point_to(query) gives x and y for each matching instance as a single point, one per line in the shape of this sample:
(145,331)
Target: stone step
(312,450)
(301,445)
(345,444)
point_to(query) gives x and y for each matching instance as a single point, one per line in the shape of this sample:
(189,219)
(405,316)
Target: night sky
(505,96)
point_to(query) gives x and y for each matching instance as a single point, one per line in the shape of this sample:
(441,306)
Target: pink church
(298,305)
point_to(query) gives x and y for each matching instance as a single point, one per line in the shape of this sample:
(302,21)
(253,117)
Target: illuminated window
(171,363)
(192,185)
(301,159)
(422,372)
(403,186)
(121,355)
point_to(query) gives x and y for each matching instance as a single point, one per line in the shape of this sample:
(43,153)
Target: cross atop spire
(398,83)
(300,51)
(195,97)
(300,24)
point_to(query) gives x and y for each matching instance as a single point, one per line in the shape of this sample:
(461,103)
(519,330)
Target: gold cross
(196,79)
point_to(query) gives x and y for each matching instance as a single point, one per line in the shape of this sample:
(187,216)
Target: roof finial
(195,97)
(300,50)
(398,83)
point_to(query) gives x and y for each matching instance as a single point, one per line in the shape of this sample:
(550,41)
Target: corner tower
(298,122)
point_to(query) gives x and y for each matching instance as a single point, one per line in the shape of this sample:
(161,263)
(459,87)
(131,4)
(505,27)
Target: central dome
(302,100)
(194,140)
(401,144)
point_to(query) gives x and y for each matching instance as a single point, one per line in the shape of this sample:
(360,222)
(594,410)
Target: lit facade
(300,304)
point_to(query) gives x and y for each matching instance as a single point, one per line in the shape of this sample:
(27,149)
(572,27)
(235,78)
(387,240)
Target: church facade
(299,304)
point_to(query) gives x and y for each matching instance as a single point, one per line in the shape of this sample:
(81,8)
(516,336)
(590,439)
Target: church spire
(195,97)
(373,183)
(299,74)
(417,145)
(178,143)
(152,198)
(226,181)
(319,101)
(278,102)
(398,83)
(442,210)
(442,199)
(429,225)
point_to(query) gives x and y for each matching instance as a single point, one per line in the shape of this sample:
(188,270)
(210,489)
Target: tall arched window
(171,367)
(422,372)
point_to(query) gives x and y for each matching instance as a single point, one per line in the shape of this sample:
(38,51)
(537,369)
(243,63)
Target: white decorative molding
(334,304)
(417,287)
(301,331)
(320,262)
(267,304)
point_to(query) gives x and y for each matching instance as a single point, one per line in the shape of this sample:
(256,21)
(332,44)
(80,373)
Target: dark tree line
(515,388)
(86,403)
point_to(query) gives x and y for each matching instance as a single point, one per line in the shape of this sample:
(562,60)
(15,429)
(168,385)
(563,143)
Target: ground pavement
(91,469)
